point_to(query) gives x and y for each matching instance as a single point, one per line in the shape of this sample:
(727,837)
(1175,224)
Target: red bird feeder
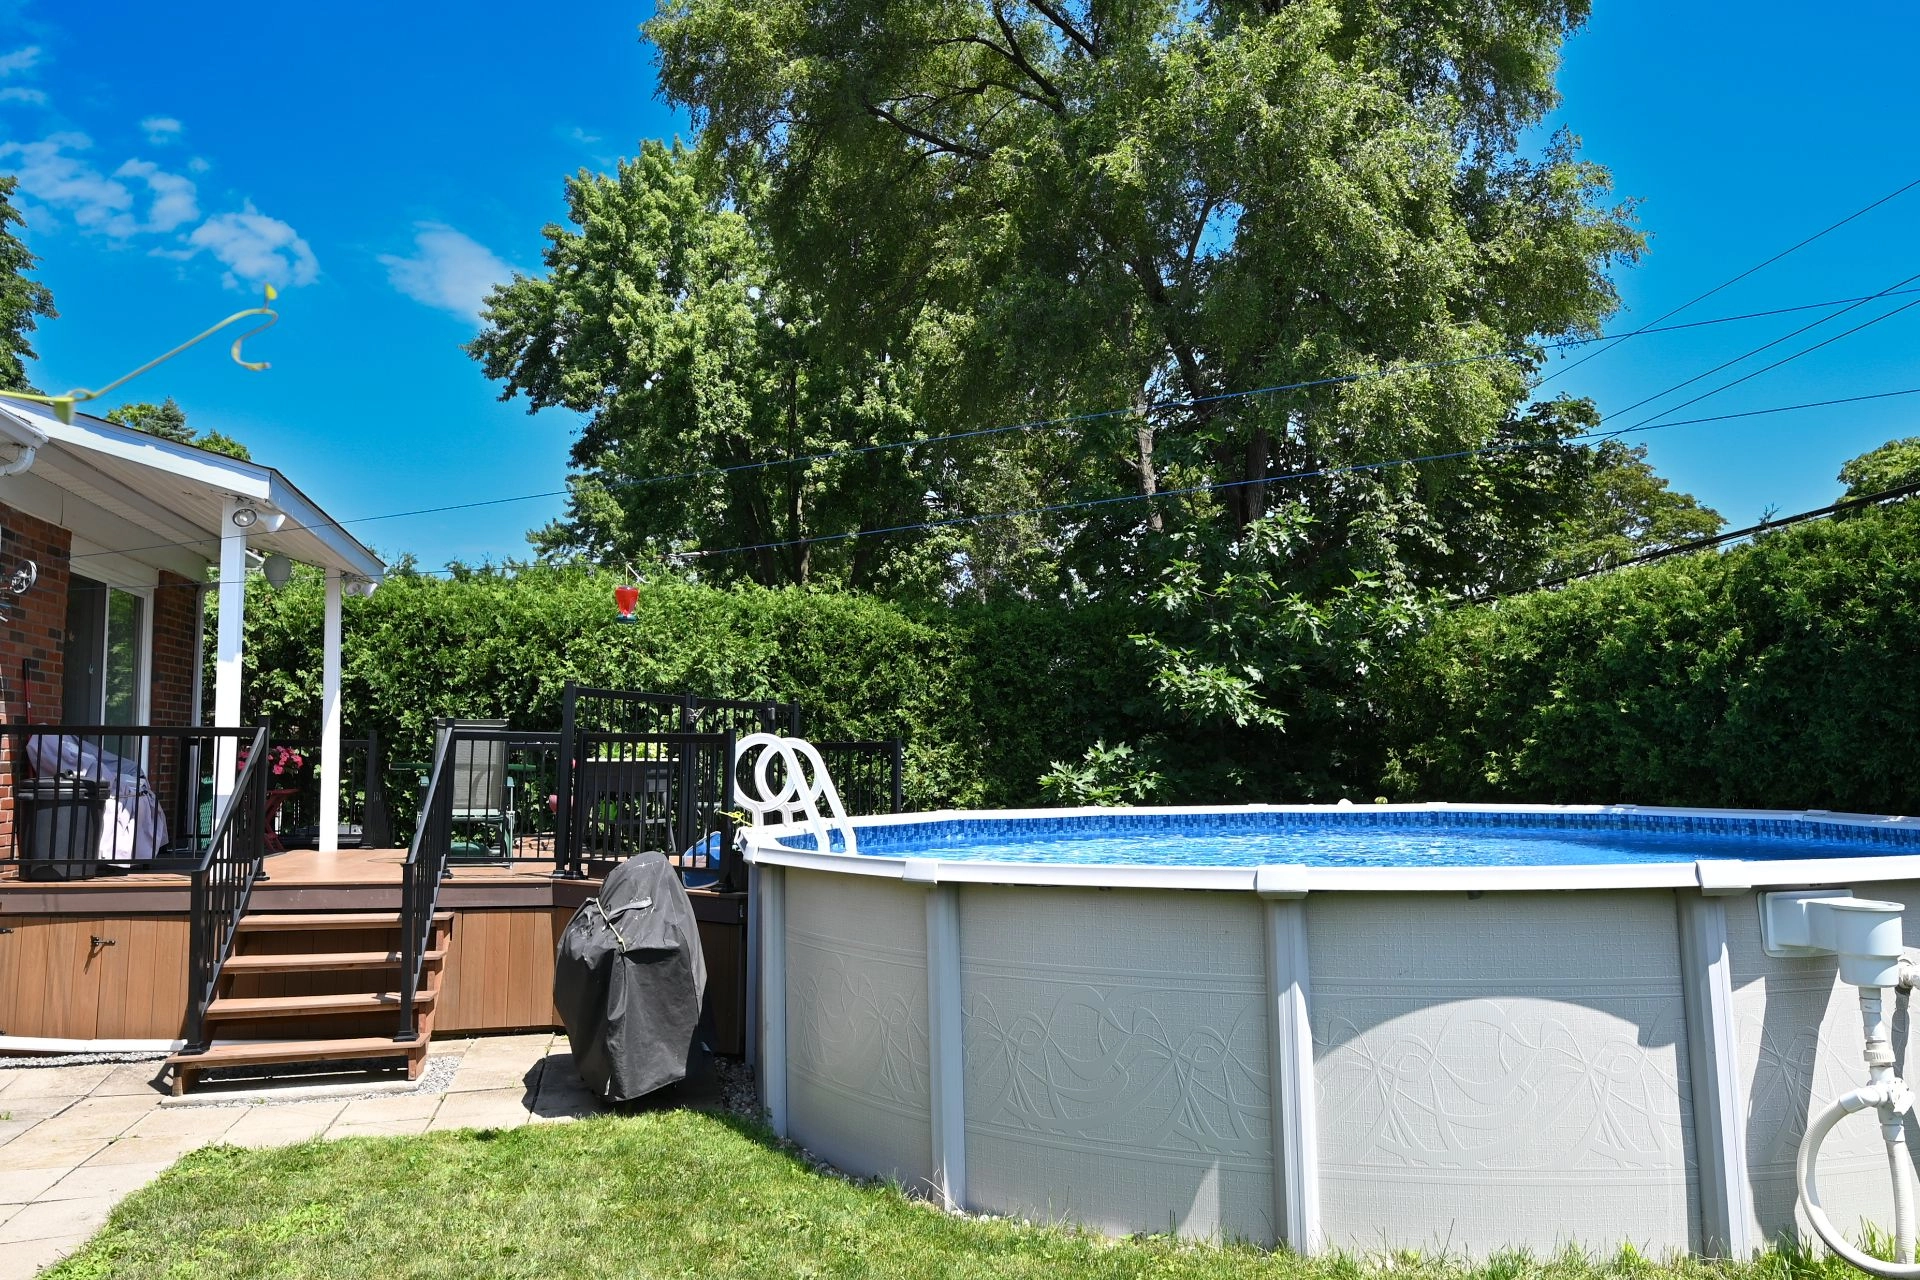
(626,599)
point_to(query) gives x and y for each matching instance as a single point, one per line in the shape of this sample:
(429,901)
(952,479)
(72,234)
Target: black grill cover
(629,979)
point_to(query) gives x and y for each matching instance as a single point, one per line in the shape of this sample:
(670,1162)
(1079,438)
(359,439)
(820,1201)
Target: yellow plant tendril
(62,406)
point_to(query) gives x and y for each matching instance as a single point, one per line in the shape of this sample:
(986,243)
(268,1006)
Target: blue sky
(384,163)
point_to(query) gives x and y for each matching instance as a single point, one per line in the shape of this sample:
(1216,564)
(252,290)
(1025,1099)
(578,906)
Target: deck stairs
(316,988)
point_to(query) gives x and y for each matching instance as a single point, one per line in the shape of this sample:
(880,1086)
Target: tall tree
(1895,463)
(23,302)
(661,317)
(1161,204)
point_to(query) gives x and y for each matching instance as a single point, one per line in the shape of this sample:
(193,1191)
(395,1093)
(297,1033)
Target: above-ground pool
(1430,1027)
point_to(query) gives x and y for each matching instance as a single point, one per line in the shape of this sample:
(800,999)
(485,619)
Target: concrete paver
(45,1219)
(21,1261)
(114,1180)
(23,1186)
(493,1109)
(282,1126)
(75,1140)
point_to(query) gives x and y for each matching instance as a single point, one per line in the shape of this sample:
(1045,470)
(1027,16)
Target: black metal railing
(224,876)
(867,775)
(364,820)
(425,867)
(100,799)
(669,793)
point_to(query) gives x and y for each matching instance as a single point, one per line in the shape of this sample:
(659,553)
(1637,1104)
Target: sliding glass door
(104,655)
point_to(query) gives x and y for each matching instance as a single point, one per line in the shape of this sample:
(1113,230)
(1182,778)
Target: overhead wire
(711,472)
(1733,280)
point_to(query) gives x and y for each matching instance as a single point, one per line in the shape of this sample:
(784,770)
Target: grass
(672,1194)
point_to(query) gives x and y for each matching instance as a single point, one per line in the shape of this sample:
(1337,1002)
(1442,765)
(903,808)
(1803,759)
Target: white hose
(1805,1178)
(1900,1166)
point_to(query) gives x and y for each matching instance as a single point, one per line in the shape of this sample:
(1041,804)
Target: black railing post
(264,739)
(899,791)
(199,980)
(569,765)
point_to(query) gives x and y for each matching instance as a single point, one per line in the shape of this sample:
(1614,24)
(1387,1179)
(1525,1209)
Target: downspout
(21,461)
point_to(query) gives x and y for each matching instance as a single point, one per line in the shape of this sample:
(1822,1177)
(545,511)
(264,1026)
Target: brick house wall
(35,631)
(176,638)
(32,634)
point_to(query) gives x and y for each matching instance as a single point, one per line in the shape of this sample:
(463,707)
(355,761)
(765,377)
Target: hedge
(984,697)
(1785,674)
(1782,674)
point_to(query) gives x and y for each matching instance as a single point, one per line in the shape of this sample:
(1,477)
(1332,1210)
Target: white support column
(330,718)
(773,996)
(226,658)
(1719,1109)
(1291,1103)
(947,1065)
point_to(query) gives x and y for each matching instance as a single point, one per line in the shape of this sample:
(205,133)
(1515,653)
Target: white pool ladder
(804,784)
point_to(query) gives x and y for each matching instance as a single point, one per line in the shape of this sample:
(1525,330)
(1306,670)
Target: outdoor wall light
(276,569)
(245,517)
(358,586)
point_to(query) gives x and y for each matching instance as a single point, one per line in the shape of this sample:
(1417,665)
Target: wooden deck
(58,980)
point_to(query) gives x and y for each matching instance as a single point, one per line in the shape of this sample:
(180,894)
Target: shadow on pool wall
(1486,1068)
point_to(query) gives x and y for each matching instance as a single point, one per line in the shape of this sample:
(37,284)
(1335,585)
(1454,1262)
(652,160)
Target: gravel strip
(79,1059)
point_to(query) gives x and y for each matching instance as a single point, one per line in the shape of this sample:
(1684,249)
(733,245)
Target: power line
(1714,540)
(1747,355)
(1482,450)
(1037,424)
(1725,284)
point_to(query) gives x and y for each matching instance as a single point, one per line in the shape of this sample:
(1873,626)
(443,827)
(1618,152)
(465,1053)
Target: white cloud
(14,93)
(198,165)
(60,180)
(19,60)
(447,270)
(582,137)
(53,172)
(174,197)
(161,129)
(255,249)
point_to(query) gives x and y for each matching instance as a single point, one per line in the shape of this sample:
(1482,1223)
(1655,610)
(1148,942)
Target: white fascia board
(351,556)
(198,466)
(764,846)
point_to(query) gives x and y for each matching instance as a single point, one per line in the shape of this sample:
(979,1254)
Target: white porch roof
(129,494)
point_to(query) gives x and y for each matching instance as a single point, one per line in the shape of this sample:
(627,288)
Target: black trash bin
(60,827)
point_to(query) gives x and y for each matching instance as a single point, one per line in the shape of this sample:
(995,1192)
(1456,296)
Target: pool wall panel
(1116,1059)
(1798,1032)
(857,1076)
(1509,1069)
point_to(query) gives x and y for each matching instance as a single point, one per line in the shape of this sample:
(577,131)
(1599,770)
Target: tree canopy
(169,421)
(1163,205)
(1893,464)
(23,301)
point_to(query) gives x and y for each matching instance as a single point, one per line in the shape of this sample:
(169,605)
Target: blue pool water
(1361,838)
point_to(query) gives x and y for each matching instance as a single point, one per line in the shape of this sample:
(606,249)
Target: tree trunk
(1149,473)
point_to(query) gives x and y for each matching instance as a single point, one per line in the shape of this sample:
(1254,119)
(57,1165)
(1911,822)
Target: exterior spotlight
(358,586)
(244,517)
(276,569)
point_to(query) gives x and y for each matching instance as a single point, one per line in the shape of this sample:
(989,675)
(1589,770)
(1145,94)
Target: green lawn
(660,1195)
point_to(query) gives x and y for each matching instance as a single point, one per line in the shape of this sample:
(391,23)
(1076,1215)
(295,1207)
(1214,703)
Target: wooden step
(264,1052)
(228,1008)
(319,961)
(270,922)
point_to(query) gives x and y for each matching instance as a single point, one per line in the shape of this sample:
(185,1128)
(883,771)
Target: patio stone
(205,1123)
(11,1129)
(147,1150)
(22,1186)
(23,1261)
(112,1180)
(382,1129)
(440,1048)
(93,1118)
(51,1219)
(494,1109)
(364,1111)
(53,1082)
(135,1079)
(282,1126)
(32,1153)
